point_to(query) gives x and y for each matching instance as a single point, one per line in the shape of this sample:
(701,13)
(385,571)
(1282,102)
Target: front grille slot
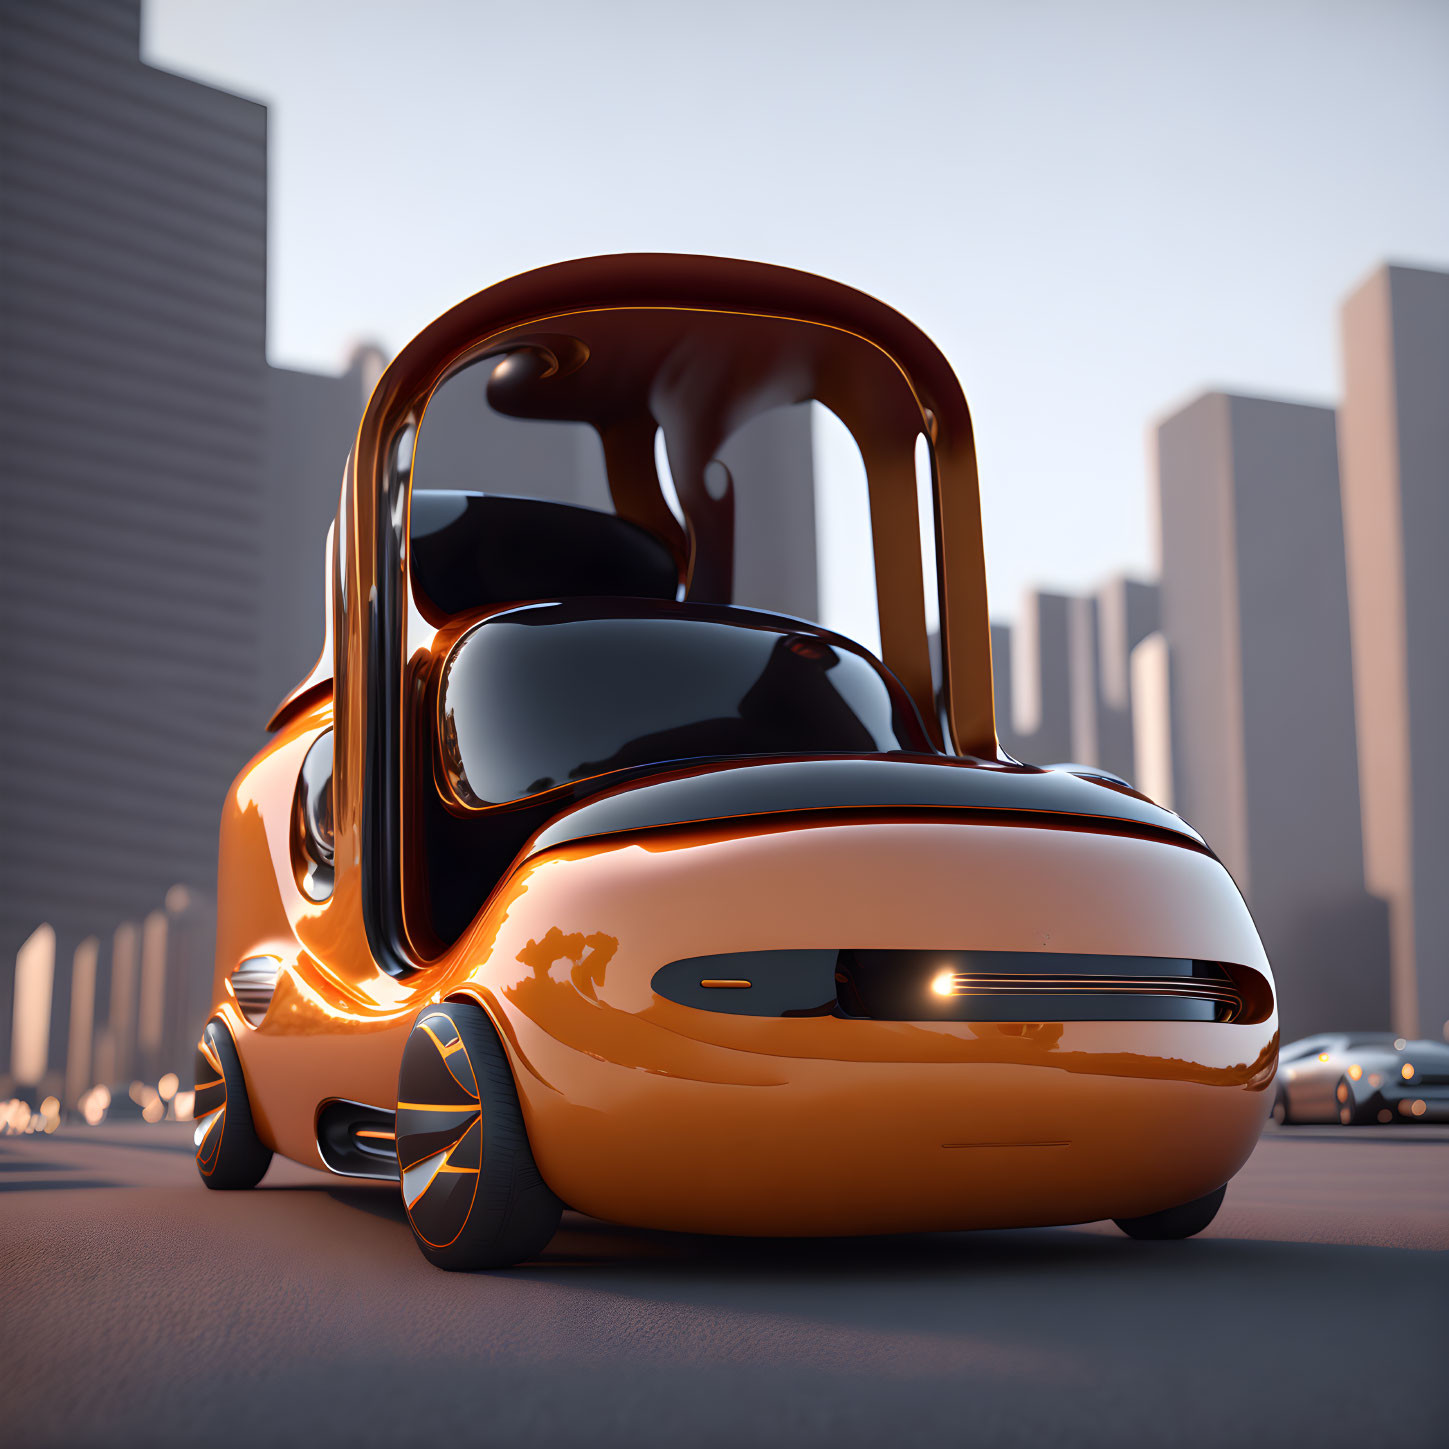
(1034,986)
(1001,983)
(1005,986)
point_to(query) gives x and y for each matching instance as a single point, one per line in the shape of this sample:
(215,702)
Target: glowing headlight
(944,983)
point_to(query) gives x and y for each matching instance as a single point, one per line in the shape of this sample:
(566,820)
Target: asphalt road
(138,1308)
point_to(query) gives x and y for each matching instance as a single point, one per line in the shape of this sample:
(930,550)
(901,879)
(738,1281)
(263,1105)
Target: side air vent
(254,982)
(356,1140)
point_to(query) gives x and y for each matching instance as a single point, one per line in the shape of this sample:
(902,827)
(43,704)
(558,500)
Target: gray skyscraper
(1063,676)
(1126,612)
(1031,669)
(1394,438)
(132,312)
(1255,614)
(771,462)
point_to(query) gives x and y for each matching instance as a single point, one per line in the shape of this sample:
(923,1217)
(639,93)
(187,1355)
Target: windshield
(551,694)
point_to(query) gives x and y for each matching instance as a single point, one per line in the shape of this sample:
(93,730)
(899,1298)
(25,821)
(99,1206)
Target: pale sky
(1095,209)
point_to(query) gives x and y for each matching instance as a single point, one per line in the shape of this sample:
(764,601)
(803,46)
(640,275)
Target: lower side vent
(356,1140)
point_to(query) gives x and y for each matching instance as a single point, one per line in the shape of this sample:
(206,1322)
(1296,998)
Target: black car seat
(479,550)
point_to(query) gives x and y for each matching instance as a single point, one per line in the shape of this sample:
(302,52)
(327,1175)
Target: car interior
(554,702)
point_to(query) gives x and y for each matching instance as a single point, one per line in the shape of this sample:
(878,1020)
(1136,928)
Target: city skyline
(244,488)
(1228,691)
(499,891)
(1286,671)
(1094,213)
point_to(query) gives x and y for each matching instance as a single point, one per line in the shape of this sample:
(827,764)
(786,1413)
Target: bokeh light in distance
(94,1104)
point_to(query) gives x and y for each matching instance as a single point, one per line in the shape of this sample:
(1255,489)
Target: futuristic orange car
(565,881)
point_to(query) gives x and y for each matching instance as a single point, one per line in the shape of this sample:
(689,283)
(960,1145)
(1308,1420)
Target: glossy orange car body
(644,1110)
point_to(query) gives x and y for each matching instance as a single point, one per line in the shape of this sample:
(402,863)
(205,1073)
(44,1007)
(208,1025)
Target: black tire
(472,1191)
(1280,1109)
(1177,1222)
(229,1154)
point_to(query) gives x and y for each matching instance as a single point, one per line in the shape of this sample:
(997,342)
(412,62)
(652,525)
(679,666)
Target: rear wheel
(229,1154)
(1177,1222)
(472,1191)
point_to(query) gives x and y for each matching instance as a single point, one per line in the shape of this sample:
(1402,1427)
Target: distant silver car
(1360,1077)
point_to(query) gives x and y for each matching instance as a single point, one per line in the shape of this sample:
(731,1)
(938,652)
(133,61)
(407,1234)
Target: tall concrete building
(1031,663)
(1255,617)
(771,460)
(1062,674)
(1151,707)
(133,315)
(1126,611)
(1394,449)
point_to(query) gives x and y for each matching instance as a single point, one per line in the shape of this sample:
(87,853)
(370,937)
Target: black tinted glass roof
(551,694)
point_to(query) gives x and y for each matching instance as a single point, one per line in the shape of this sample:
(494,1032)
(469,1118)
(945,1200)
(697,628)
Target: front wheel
(229,1154)
(1177,1222)
(472,1191)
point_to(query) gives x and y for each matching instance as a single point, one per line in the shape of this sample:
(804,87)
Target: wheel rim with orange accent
(209,1108)
(439,1130)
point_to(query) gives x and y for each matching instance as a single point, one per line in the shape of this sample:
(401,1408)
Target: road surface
(138,1308)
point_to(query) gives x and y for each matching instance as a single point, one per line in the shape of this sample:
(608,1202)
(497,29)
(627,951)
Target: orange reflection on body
(589,956)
